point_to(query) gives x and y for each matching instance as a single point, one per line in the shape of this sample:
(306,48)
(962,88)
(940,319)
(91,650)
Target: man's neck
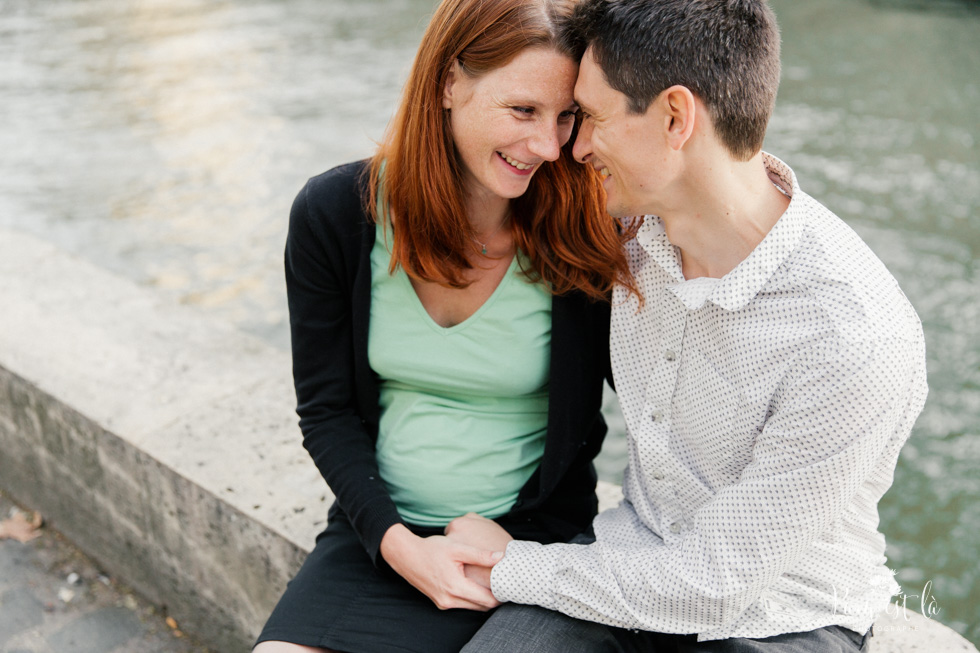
(726,214)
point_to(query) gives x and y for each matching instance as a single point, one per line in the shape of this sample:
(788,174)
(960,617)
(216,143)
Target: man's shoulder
(846,280)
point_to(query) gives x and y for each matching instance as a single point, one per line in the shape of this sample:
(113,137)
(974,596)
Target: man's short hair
(725,51)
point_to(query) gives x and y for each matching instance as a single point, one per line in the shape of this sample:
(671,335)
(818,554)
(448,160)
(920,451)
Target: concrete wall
(164,444)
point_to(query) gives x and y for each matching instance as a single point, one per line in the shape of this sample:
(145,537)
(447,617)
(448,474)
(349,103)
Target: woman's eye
(524,111)
(567,115)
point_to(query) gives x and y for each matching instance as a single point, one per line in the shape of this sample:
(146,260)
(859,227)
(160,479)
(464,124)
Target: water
(165,140)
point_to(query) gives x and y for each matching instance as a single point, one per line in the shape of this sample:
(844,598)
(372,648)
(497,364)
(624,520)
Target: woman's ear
(447,89)
(681,114)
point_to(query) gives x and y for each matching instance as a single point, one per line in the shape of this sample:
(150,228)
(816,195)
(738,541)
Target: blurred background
(164,140)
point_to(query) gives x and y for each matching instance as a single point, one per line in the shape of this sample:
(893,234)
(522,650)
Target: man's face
(628,149)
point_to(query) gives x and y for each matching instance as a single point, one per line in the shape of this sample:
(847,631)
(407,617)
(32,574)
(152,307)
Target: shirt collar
(737,288)
(652,237)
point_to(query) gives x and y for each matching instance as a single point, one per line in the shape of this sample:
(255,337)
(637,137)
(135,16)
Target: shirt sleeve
(842,410)
(320,299)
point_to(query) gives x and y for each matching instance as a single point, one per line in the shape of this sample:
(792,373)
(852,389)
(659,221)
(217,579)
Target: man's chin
(621,210)
(617,211)
(616,208)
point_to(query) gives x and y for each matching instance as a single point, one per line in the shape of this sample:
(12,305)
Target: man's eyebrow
(582,106)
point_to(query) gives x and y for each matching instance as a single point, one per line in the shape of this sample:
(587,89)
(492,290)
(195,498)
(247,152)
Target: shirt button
(670,355)
(658,476)
(675,528)
(657,415)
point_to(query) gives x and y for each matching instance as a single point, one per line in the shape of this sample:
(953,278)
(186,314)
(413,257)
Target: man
(768,378)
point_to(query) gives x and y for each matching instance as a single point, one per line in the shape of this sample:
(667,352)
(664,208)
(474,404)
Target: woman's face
(509,121)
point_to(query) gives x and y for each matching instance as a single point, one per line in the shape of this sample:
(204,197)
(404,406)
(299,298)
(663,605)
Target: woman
(449,335)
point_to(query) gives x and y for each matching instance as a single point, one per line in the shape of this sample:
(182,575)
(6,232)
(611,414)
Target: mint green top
(464,409)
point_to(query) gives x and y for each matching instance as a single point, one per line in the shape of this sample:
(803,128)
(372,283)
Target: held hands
(480,532)
(435,566)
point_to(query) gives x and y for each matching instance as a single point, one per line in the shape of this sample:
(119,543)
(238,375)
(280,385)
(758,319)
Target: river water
(165,140)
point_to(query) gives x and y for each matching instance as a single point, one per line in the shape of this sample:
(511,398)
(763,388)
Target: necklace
(483,246)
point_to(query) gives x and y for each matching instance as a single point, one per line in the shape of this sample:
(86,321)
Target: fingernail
(497,555)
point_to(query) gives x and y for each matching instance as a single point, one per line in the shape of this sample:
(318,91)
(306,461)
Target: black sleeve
(321,263)
(559,500)
(573,501)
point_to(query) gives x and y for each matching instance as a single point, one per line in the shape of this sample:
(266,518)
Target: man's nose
(582,149)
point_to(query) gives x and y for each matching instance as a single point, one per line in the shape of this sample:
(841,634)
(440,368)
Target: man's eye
(567,115)
(524,111)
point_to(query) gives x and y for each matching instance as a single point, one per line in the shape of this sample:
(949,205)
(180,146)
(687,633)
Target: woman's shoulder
(340,185)
(333,199)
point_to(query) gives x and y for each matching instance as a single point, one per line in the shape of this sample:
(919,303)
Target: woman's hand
(483,533)
(478,531)
(435,566)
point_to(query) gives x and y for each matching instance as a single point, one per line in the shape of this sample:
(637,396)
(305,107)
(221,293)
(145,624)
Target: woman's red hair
(560,223)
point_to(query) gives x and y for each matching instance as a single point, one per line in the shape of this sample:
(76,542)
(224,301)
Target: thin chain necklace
(490,237)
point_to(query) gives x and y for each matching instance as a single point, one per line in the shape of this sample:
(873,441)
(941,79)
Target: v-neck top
(464,409)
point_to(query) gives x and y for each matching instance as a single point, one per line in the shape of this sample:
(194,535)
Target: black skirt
(341,601)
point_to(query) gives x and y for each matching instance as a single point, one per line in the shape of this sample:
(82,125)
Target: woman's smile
(519,166)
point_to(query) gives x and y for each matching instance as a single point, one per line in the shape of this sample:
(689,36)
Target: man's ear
(680,115)
(447,89)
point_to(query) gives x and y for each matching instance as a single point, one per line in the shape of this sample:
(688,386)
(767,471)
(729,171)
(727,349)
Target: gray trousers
(514,628)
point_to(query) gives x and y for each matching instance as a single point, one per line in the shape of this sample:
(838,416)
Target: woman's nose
(546,143)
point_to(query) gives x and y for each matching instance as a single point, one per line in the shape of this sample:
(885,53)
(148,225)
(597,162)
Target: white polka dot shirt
(765,412)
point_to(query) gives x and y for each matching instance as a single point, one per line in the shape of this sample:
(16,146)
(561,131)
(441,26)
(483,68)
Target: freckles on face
(508,122)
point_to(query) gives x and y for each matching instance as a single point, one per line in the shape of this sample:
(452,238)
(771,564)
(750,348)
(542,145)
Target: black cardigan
(328,282)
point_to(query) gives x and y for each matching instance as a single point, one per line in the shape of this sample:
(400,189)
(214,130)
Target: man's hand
(435,566)
(483,533)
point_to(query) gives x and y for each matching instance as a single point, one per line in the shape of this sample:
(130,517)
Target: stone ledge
(164,444)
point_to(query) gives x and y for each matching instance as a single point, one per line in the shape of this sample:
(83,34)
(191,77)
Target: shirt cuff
(525,573)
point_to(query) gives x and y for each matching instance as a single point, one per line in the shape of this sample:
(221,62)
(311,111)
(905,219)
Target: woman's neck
(486,213)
